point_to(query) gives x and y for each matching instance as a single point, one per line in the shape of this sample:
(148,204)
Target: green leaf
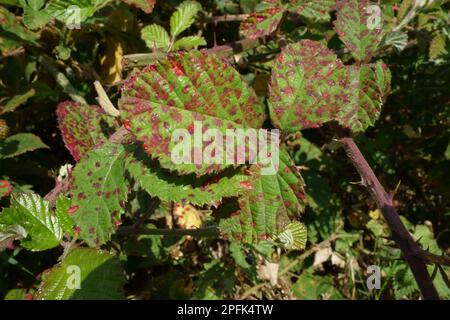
(368,86)
(144,5)
(62,212)
(15,294)
(398,40)
(358,28)
(33,16)
(59,9)
(33,213)
(313,287)
(439,47)
(310,86)
(181,95)
(270,205)
(83,127)
(294,236)
(16,101)
(13,34)
(190,42)
(312,10)
(19,144)
(100,276)
(155,37)
(183,17)
(167,186)
(262,23)
(99,193)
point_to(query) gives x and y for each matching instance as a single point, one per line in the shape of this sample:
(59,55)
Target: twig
(225,18)
(226,50)
(411,251)
(61,79)
(202,232)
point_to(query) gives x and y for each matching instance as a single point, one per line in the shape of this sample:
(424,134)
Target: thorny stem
(411,251)
(225,18)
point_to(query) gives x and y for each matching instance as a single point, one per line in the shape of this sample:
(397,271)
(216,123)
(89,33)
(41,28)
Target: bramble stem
(203,232)
(226,50)
(411,251)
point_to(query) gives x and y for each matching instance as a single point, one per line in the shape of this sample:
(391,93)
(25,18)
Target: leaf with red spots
(99,274)
(310,86)
(83,127)
(144,5)
(307,86)
(99,192)
(261,23)
(358,27)
(312,10)
(167,186)
(269,206)
(5,188)
(187,94)
(368,86)
(33,213)
(63,211)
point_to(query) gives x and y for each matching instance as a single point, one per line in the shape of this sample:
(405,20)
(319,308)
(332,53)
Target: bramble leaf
(368,86)
(33,213)
(166,186)
(307,86)
(358,28)
(270,205)
(33,16)
(183,17)
(83,127)
(261,23)
(182,96)
(310,86)
(13,33)
(62,212)
(189,42)
(155,36)
(99,192)
(144,5)
(312,10)
(14,102)
(81,9)
(19,144)
(99,275)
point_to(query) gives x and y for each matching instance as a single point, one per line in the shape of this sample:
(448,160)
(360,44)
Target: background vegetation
(43,62)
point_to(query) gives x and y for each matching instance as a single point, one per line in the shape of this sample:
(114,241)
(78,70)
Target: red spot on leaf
(73,208)
(126,124)
(246,185)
